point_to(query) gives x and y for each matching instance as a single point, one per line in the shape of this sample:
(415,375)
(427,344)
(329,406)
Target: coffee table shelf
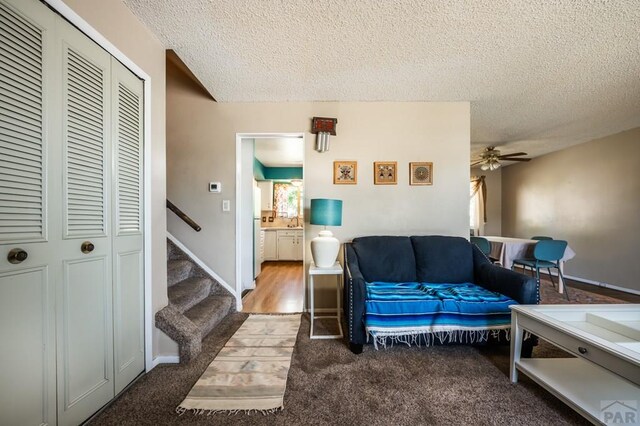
(580,384)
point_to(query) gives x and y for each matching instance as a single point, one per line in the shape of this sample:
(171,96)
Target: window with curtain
(287,200)
(477,205)
(473,210)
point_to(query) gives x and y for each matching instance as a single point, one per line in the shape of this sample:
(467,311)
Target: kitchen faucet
(297,225)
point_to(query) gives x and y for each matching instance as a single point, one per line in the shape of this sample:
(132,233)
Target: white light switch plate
(226,205)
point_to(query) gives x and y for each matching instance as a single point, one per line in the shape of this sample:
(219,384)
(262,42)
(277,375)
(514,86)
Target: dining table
(507,249)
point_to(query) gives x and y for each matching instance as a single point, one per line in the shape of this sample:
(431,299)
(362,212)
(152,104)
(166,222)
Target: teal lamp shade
(325,247)
(326,212)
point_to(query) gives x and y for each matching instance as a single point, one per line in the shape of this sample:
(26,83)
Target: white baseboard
(171,359)
(601,284)
(201,264)
(596,283)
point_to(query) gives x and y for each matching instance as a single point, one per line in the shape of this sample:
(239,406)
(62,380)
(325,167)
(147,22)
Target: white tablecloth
(507,249)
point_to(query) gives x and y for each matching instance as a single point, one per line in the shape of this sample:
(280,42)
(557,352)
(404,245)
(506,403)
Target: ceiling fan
(490,158)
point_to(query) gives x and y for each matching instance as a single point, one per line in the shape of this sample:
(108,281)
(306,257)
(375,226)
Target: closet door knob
(17,255)
(87,247)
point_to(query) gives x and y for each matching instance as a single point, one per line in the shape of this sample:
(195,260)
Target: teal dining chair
(546,255)
(538,238)
(485,247)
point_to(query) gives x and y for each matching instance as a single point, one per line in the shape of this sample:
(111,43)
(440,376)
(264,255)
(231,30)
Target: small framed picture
(345,172)
(385,172)
(421,173)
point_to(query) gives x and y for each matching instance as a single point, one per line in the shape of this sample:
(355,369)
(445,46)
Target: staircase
(197,303)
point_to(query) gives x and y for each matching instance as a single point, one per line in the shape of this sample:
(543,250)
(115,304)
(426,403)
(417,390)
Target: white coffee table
(603,379)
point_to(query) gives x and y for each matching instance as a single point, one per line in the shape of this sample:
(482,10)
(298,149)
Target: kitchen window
(287,200)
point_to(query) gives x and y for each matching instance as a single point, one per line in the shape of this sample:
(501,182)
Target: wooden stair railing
(182,215)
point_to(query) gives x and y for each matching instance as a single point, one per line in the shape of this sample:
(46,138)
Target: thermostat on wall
(215,187)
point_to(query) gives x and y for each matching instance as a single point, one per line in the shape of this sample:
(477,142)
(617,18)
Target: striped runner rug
(250,372)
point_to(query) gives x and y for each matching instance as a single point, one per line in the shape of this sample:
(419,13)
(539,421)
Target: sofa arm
(519,287)
(355,293)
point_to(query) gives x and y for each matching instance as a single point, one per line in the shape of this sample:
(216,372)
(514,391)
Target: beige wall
(201,147)
(116,23)
(493,180)
(589,195)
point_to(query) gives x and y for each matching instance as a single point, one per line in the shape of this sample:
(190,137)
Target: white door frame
(239,138)
(71,16)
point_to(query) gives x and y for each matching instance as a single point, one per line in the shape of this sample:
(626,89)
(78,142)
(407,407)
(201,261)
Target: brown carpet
(329,385)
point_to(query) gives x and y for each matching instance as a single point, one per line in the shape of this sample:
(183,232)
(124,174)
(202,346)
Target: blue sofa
(441,283)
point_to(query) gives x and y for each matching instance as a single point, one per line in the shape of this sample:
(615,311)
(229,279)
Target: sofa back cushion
(441,259)
(385,258)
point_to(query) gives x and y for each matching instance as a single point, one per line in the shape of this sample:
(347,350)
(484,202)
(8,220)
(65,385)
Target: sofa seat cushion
(385,258)
(411,308)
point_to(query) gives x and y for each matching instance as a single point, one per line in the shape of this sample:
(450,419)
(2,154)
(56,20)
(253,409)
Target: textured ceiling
(540,75)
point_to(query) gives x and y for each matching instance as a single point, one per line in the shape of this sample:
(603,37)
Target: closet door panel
(85,317)
(128,317)
(86,143)
(27,286)
(85,329)
(22,128)
(27,372)
(127,98)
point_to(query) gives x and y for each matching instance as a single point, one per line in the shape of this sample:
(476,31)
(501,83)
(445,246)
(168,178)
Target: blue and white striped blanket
(405,312)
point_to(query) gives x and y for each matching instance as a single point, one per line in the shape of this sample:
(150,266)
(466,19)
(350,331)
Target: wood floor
(279,289)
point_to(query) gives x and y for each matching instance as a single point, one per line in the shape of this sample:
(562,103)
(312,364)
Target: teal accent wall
(283,173)
(262,172)
(258,170)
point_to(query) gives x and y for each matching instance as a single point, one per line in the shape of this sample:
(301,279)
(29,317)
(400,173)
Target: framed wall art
(385,172)
(345,172)
(421,173)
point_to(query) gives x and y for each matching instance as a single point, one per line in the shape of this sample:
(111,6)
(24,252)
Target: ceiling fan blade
(476,162)
(516,159)
(515,154)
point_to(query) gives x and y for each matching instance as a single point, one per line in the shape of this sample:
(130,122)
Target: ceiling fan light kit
(490,165)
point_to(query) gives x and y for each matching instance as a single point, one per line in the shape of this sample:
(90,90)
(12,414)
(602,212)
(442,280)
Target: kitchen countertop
(281,228)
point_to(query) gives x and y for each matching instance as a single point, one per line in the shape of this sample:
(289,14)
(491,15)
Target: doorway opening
(270,218)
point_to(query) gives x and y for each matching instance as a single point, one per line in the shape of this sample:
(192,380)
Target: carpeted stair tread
(219,290)
(193,296)
(208,313)
(188,293)
(178,270)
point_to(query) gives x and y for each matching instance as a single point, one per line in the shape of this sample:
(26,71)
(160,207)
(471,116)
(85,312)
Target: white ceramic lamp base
(324,249)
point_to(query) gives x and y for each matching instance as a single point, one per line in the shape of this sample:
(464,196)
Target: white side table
(336,270)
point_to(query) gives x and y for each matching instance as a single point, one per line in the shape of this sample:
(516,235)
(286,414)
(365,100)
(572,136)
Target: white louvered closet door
(71,229)
(128,262)
(85,304)
(27,222)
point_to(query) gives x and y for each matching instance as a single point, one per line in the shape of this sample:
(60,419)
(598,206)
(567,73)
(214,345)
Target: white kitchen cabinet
(266,194)
(290,244)
(299,243)
(270,245)
(286,248)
